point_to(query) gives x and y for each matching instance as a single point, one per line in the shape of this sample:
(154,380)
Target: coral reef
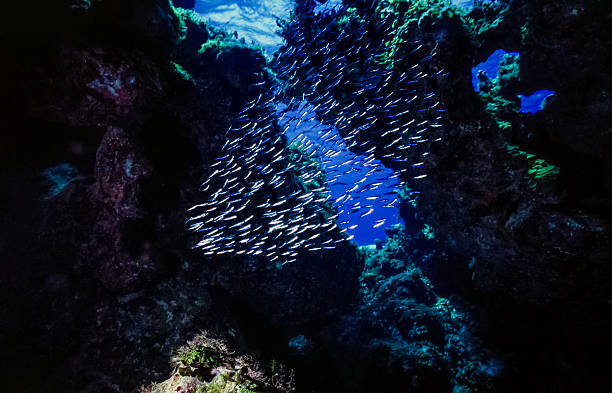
(499,279)
(518,233)
(208,365)
(524,236)
(107,137)
(412,334)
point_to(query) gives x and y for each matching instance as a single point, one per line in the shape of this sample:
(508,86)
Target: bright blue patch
(128,168)
(59,177)
(535,102)
(299,343)
(354,210)
(465,4)
(329,5)
(468,5)
(489,66)
(492,368)
(255,20)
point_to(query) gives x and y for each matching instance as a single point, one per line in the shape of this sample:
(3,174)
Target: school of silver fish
(262,201)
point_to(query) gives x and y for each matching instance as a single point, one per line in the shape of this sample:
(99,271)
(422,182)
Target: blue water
(254,20)
(345,171)
(529,104)
(535,102)
(328,6)
(368,209)
(490,66)
(468,5)
(465,4)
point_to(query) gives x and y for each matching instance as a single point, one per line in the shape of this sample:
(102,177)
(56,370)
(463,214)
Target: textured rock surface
(519,207)
(523,230)
(114,113)
(209,365)
(533,248)
(402,330)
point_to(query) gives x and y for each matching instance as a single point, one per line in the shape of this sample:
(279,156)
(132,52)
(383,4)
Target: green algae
(428,232)
(195,33)
(406,195)
(217,46)
(476,21)
(405,16)
(180,71)
(189,20)
(349,17)
(223,384)
(540,169)
(199,356)
(208,365)
(485,17)
(499,96)
(221,42)
(508,73)
(525,32)
(419,11)
(302,164)
(409,16)
(392,47)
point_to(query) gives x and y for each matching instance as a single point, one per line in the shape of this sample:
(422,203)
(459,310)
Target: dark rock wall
(519,203)
(533,251)
(111,115)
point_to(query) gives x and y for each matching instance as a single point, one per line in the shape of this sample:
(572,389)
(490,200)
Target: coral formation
(208,365)
(498,280)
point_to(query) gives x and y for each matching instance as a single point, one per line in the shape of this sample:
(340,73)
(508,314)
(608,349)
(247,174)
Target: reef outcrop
(519,214)
(113,112)
(521,210)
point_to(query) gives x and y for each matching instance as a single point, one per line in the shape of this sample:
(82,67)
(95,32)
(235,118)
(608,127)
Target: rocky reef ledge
(113,112)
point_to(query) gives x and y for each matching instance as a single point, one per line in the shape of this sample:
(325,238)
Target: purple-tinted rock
(119,171)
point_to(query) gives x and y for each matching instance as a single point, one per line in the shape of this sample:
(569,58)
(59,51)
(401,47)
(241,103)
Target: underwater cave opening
(489,67)
(365,208)
(363,190)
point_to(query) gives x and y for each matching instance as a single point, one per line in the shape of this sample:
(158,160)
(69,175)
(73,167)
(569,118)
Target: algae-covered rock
(131,101)
(400,331)
(520,207)
(93,254)
(421,332)
(209,365)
